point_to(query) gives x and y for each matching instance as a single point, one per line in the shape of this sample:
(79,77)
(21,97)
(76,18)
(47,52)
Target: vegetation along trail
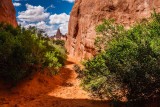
(62,90)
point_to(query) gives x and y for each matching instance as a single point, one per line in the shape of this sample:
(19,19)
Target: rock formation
(86,14)
(59,36)
(7,12)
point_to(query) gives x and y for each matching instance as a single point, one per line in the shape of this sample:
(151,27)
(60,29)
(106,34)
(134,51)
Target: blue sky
(48,15)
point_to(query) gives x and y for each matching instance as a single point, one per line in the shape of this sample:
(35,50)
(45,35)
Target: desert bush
(59,42)
(106,31)
(78,70)
(128,67)
(23,51)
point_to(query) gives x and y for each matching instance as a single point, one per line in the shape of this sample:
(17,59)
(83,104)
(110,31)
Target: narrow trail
(70,88)
(62,90)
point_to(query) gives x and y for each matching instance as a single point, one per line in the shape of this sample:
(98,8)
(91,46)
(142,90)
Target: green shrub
(129,65)
(78,70)
(108,30)
(23,51)
(59,42)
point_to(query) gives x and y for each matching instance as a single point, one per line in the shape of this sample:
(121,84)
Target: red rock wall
(7,12)
(86,14)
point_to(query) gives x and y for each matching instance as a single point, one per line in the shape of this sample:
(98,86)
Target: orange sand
(39,90)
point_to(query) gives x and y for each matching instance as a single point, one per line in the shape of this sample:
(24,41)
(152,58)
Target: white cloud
(49,29)
(51,6)
(33,14)
(71,1)
(64,28)
(59,18)
(16,4)
(38,17)
(62,21)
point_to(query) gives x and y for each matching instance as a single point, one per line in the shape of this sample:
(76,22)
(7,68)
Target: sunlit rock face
(86,14)
(7,12)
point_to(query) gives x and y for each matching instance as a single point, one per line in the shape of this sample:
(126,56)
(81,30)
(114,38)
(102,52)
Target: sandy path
(70,89)
(62,90)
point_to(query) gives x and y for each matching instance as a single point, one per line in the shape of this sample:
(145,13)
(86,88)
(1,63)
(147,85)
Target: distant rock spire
(58,34)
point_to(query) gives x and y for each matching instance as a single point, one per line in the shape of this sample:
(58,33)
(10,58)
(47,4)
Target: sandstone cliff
(7,12)
(86,14)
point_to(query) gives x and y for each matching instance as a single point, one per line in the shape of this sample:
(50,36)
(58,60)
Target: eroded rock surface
(7,12)
(86,14)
